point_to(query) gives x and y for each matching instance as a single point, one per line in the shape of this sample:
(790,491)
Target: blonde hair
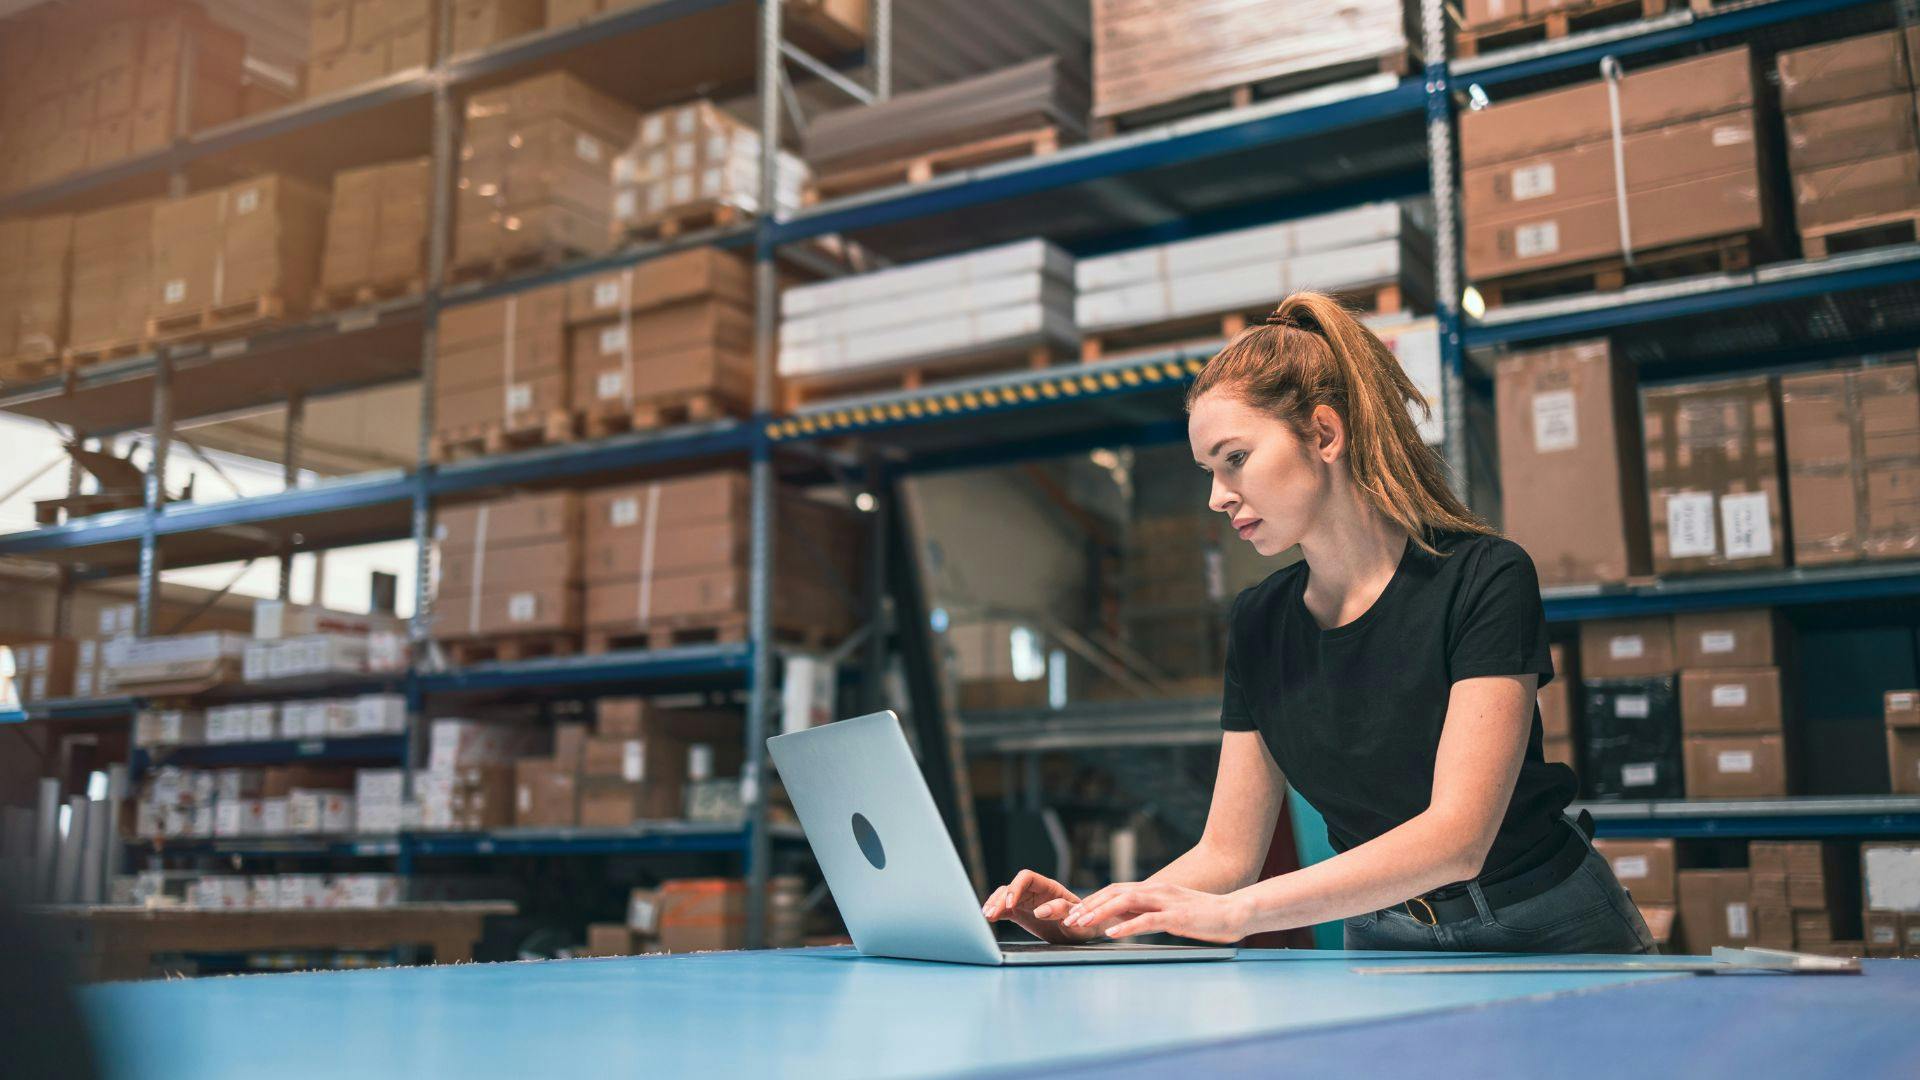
(1312,351)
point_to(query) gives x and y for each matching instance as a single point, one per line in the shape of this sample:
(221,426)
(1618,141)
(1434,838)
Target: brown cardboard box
(329,26)
(1903,759)
(254,239)
(1657,158)
(1627,648)
(535,312)
(684,275)
(1902,708)
(1553,750)
(1566,411)
(1573,232)
(615,759)
(1910,935)
(526,610)
(1556,698)
(1659,920)
(480,23)
(1812,929)
(1852,68)
(466,571)
(1750,637)
(1713,474)
(615,804)
(698,914)
(1730,700)
(1736,766)
(278,780)
(112,260)
(500,111)
(1645,867)
(377,228)
(531,403)
(1844,193)
(1871,127)
(545,793)
(1772,927)
(1653,97)
(1714,910)
(517,520)
(610,939)
(618,381)
(570,744)
(1475,14)
(1769,887)
(1853,462)
(1883,933)
(621,718)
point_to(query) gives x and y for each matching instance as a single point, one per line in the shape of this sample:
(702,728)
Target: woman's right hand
(1037,904)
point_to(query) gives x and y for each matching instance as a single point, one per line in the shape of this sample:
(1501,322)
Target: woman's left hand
(1149,907)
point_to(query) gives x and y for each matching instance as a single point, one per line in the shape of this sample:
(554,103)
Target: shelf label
(1690,525)
(1747,524)
(1642,775)
(310,747)
(1717,641)
(1736,761)
(1632,706)
(1533,181)
(1730,696)
(1554,425)
(1630,867)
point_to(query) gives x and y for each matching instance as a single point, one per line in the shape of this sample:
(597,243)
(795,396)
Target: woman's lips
(1246,530)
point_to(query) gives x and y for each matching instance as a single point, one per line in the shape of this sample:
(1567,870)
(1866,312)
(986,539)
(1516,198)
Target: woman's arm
(1481,746)
(1246,804)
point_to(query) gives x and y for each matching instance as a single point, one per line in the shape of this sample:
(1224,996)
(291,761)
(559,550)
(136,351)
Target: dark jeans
(1589,912)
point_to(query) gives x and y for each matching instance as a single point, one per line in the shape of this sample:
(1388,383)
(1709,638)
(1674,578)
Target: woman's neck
(1351,555)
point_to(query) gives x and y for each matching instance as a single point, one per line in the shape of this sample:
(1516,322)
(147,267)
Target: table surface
(832,1012)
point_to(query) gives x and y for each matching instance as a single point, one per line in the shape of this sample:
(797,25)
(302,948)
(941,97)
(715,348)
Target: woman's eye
(1236,458)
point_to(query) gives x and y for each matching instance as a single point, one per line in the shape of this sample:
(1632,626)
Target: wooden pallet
(1398,64)
(1553,25)
(219,320)
(510,647)
(659,412)
(922,167)
(1723,255)
(1381,299)
(501,266)
(667,632)
(693,217)
(353,296)
(914,375)
(1881,230)
(480,440)
(31,366)
(81,356)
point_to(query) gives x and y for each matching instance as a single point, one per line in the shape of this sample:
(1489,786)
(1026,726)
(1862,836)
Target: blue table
(831,1012)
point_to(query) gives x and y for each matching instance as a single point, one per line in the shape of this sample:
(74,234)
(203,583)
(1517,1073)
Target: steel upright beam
(880,47)
(156,491)
(63,597)
(753,790)
(292,437)
(1447,270)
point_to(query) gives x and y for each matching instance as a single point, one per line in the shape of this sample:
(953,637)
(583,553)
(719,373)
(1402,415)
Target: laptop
(892,867)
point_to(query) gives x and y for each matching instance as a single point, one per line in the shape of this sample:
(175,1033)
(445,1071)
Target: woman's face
(1270,482)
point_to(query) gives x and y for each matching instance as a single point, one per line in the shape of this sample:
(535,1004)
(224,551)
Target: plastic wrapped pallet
(357,41)
(1015,295)
(1150,52)
(693,161)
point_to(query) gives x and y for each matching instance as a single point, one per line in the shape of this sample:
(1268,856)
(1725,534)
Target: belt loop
(1480,902)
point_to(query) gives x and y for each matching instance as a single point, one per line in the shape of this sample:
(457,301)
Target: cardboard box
(377,229)
(1713,474)
(504,523)
(610,939)
(1769,887)
(1659,919)
(1883,933)
(1902,708)
(1747,638)
(545,793)
(1714,910)
(1853,463)
(703,914)
(1772,927)
(685,275)
(516,610)
(1644,867)
(1890,874)
(480,23)
(1839,195)
(1868,128)
(1903,760)
(1731,700)
(1627,648)
(1736,766)
(1571,410)
(258,238)
(1866,66)
(1630,739)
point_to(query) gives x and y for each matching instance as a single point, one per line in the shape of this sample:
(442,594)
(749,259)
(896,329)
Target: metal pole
(1447,267)
(753,791)
(63,598)
(440,215)
(873,683)
(880,47)
(290,479)
(156,491)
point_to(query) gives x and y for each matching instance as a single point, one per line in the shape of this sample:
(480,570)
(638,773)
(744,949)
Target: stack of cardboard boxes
(670,330)
(1713,476)
(693,162)
(986,670)
(1541,189)
(536,171)
(1852,138)
(469,782)
(641,759)
(43,670)
(1556,707)
(255,243)
(1806,895)
(357,41)
(1890,887)
(377,230)
(1630,715)
(1647,869)
(1174,593)
(509,567)
(1853,462)
(34,286)
(699,915)
(673,554)
(1902,710)
(112,264)
(1715,908)
(480,23)
(1733,704)
(502,366)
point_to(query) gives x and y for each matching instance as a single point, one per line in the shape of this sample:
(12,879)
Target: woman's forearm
(1206,869)
(1421,855)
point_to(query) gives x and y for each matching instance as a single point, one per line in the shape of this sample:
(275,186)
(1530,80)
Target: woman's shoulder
(1275,588)
(1481,554)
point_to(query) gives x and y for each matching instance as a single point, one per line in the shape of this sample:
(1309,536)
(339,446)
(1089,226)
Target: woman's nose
(1219,499)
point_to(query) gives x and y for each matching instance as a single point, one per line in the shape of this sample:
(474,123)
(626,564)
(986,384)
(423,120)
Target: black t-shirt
(1353,715)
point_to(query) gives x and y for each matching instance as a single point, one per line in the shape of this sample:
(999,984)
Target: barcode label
(519,397)
(1555,427)
(612,340)
(623,512)
(606,294)
(1748,527)
(1737,919)
(1532,182)
(175,290)
(633,761)
(610,384)
(248,202)
(521,607)
(586,148)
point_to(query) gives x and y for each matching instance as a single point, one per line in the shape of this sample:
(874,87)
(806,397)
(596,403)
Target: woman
(1390,676)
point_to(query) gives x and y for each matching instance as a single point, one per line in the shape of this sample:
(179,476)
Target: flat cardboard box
(1839,195)
(1750,637)
(683,275)
(545,793)
(1870,127)
(1571,410)
(621,379)
(535,311)
(1714,476)
(522,519)
(1903,760)
(465,571)
(1714,910)
(1769,887)
(1736,766)
(1689,150)
(1556,698)
(518,611)
(1865,66)
(1645,867)
(1731,701)
(1695,209)
(1627,648)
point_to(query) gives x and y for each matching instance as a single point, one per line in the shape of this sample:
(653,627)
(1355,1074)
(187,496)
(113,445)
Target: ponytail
(1312,351)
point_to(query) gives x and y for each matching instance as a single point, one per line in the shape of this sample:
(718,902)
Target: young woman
(1390,676)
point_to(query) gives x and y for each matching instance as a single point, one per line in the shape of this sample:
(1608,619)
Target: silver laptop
(892,867)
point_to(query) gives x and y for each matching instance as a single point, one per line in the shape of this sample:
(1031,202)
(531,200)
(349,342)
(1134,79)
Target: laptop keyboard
(1095,946)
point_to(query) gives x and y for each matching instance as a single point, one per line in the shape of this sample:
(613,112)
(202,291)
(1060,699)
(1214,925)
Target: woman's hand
(1036,903)
(1148,907)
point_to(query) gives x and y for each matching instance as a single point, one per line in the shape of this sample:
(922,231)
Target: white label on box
(610,384)
(1554,425)
(248,202)
(625,204)
(1690,525)
(699,762)
(1883,935)
(1630,867)
(633,761)
(1748,527)
(1736,761)
(623,512)
(521,607)
(175,291)
(1900,701)
(1532,181)
(586,148)
(612,340)
(606,294)
(1729,696)
(1732,134)
(1737,919)
(1717,641)
(1643,775)
(1539,238)
(1632,706)
(519,397)
(1626,647)
(523,798)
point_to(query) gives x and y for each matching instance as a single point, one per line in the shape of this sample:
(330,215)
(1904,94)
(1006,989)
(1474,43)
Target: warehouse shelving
(1805,815)
(644,838)
(274,752)
(1755,588)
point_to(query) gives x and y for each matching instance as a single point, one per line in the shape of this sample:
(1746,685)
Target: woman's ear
(1329,434)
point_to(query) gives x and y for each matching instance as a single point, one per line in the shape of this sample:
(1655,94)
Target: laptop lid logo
(869,842)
